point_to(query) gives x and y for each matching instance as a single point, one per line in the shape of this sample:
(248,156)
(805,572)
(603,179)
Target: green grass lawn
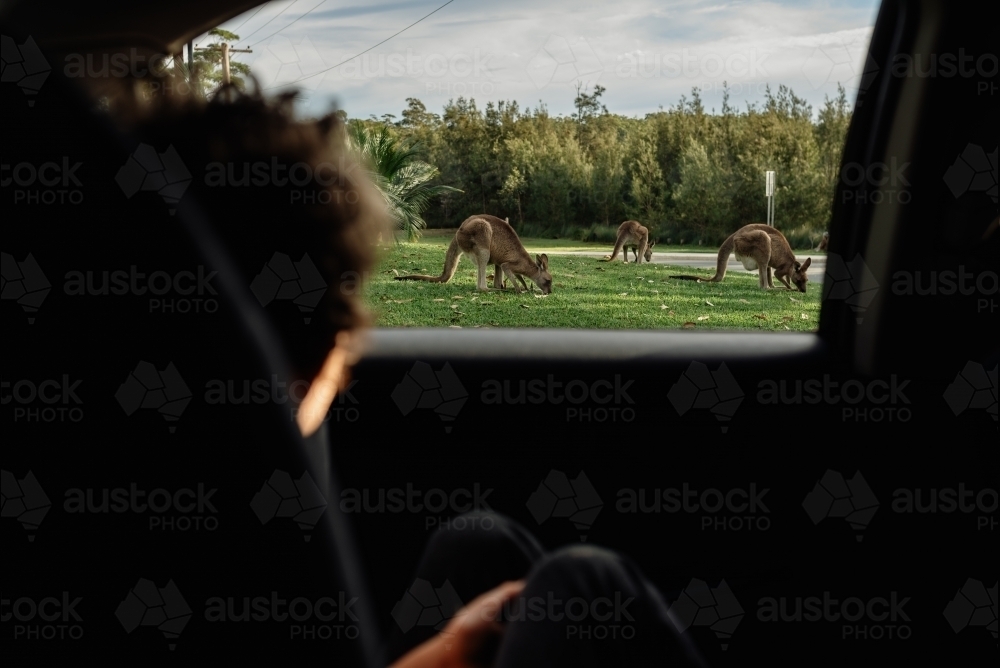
(587,293)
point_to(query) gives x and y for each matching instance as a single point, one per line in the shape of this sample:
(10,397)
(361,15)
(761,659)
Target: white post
(769,193)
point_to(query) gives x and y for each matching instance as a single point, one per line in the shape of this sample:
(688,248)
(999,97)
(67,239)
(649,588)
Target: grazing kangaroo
(631,234)
(489,240)
(764,248)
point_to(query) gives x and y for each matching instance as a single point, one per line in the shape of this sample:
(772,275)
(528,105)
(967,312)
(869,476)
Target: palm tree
(404,180)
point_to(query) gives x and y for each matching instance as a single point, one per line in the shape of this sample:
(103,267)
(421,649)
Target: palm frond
(404,180)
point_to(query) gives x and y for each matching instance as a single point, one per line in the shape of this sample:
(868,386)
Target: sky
(646,54)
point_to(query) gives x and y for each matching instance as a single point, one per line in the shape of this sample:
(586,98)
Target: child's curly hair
(274,184)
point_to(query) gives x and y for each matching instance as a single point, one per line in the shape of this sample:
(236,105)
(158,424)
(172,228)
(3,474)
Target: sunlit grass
(587,293)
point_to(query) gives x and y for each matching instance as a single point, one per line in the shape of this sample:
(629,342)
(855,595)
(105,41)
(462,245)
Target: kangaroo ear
(543,261)
(805,265)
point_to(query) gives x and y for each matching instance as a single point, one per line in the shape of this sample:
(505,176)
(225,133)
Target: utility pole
(226,50)
(225,60)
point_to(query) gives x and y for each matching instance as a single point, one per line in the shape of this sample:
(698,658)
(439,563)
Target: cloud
(486,52)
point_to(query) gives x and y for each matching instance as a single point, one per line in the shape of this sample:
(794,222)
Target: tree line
(691,176)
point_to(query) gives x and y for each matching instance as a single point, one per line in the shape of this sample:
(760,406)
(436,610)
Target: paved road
(702,261)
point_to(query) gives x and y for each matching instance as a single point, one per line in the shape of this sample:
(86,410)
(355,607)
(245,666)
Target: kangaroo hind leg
(481,256)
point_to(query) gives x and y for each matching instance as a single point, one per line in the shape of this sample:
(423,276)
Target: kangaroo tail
(451,259)
(723,260)
(619,244)
(721,264)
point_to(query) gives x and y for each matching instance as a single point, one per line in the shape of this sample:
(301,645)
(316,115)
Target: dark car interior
(677,410)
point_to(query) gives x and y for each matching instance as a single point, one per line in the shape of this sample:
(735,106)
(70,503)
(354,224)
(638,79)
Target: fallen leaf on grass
(540,296)
(787,327)
(454,327)
(795,300)
(525,306)
(743,301)
(709,303)
(688,325)
(663,306)
(454,305)
(805,317)
(391,271)
(623,294)
(703,317)
(458,297)
(439,300)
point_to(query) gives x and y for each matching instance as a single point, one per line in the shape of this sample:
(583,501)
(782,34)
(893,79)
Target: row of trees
(690,175)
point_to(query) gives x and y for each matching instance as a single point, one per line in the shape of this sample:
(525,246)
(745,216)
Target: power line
(363,52)
(289,25)
(269,20)
(250,17)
